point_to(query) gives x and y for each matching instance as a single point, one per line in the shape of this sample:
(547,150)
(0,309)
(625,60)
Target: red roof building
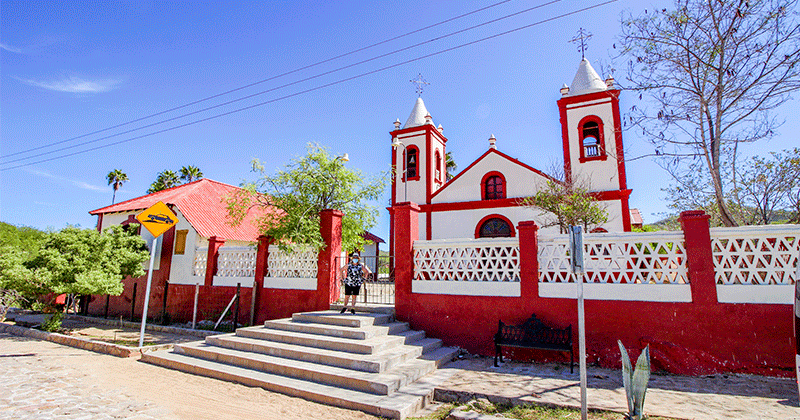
(202,203)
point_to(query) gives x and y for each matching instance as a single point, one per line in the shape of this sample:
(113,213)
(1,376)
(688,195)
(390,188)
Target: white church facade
(483,200)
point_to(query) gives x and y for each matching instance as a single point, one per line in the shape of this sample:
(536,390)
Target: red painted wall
(697,338)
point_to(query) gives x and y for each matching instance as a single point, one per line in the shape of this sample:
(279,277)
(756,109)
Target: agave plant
(635,381)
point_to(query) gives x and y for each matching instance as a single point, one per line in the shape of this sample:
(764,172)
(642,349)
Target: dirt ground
(120,335)
(176,394)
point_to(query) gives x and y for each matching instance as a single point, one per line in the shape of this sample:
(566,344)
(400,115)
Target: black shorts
(351,290)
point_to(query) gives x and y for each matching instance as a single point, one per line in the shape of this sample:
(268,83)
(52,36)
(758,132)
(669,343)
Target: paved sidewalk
(701,398)
(42,380)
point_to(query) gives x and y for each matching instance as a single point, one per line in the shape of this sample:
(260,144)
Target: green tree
(22,238)
(712,72)
(17,282)
(116,178)
(567,204)
(86,262)
(165,180)
(767,187)
(293,198)
(450,165)
(191,173)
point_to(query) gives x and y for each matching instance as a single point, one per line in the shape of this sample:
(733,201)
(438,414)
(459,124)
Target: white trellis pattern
(467,260)
(236,261)
(200,261)
(633,258)
(298,264)
(755,254)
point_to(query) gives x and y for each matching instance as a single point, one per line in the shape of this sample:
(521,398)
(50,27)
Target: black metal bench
(533,334)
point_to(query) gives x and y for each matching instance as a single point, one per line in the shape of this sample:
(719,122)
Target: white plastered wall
(462,223)
(416,189)
(520,181)
(602,175)
(181,270)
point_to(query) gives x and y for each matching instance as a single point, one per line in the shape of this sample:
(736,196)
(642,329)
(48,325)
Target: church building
(483,200)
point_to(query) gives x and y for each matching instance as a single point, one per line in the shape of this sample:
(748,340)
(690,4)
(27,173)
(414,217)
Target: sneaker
(343,309)
(353,311)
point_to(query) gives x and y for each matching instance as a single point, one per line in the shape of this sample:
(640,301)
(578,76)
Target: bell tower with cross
(418,156)
(591,131)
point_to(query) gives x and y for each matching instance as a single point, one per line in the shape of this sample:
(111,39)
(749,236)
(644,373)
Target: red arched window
(412,163)
(592,144)
(438,175)
(494,226)
(493,186)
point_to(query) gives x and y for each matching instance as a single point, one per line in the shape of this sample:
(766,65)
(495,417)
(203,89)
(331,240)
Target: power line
(254,83)
(281,86)
(318,87)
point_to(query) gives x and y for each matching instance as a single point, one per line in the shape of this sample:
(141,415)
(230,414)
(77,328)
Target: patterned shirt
(355,275)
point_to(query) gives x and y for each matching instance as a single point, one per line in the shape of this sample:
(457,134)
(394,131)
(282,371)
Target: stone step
(441,355)
(357,320)
(398,405)
(368,307)
(411,336)
(375,363)
(377,383)
(366,346)
(338,330)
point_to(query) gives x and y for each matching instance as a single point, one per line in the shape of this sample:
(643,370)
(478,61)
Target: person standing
(353,275)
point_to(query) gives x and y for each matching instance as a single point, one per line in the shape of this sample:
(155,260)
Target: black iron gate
(378,287)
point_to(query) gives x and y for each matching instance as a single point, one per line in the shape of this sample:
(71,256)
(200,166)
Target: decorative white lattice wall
(633,258)
(236,262)
(298,264)
(757,255)
(488,260)
(200,261)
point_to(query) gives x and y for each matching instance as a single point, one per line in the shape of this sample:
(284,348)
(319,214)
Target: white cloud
(79,184)
(73,84)
(9,48)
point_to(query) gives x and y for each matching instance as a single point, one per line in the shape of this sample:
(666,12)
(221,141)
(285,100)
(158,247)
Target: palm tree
(166,179)
(116,177)
(190,173)
(449,165)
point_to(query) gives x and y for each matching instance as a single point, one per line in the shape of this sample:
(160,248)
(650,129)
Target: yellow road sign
(157,219)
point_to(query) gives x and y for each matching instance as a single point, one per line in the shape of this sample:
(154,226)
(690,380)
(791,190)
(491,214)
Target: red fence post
(330,226)
(406,231)
(262,258)
(699,258)
(214,244)
(528,259)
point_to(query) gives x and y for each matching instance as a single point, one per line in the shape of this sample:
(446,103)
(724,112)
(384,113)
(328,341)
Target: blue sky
(70,68)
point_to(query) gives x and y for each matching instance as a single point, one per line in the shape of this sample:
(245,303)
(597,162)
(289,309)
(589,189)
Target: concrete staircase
(367,361)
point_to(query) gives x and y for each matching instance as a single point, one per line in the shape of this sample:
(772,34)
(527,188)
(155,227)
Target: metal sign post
(147,290)
(157,219)
(576,263)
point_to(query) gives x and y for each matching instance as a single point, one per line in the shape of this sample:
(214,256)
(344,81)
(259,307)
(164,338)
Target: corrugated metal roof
(202,203)
(636,217)
(372,237)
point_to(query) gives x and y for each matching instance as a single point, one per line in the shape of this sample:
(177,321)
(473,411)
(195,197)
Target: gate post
(330,226)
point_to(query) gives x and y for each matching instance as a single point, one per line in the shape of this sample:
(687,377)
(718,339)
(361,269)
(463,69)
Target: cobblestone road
(36,386)
(45,380)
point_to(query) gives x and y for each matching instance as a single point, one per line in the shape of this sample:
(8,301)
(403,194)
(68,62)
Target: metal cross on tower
(581,38)
(420,82)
